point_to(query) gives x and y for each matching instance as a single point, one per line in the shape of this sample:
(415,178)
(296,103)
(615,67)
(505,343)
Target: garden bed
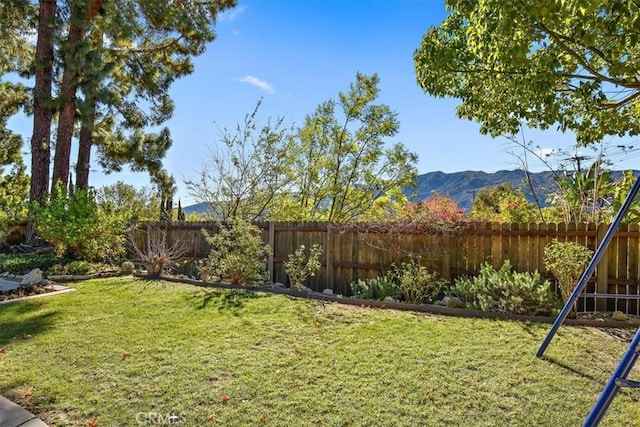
(31,291)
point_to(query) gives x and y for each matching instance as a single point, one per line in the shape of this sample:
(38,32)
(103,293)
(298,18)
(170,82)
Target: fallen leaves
(225,399)
(126,355)
(27,394)
(211,418)
(93,422)
(3,351)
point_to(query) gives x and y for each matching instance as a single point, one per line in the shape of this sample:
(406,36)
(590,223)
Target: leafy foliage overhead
(566,63)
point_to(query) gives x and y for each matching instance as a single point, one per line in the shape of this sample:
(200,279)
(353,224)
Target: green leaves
(347,172)
(76,226)
(570,64)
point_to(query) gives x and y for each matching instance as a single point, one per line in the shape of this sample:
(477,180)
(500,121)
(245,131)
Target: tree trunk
(84,147)
(68,88)
(81,15)
(42,106)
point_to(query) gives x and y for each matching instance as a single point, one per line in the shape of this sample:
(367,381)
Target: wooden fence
(359,252)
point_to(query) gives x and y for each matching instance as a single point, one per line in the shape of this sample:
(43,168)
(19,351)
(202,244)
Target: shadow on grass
(15,322)
(222,300)
(571,369)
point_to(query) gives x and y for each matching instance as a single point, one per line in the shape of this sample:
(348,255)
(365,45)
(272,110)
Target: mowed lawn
(127,351)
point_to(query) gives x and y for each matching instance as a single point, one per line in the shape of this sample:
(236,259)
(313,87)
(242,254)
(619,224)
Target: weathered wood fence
(362,251)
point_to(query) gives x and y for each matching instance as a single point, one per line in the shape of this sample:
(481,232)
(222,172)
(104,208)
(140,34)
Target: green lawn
(124,350)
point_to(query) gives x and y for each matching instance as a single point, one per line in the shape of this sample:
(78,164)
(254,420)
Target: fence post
(271,257)
(602,274)
(329,254)
(148,248)
(446,256)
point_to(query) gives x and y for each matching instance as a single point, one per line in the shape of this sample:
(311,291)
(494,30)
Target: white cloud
(267,87)
(230,15)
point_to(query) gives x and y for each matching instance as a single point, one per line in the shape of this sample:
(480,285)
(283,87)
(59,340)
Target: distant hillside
(198,208)
(463,186)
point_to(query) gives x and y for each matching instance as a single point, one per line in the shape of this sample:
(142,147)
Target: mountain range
(463,186)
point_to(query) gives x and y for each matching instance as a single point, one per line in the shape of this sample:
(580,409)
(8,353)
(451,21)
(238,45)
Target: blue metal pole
(611,389)
(602,248)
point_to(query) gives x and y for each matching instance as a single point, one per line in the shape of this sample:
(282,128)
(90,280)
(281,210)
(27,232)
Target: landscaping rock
(389,299)
(328,291)
(34,277)
(620,316)
(279,285)
(452,302)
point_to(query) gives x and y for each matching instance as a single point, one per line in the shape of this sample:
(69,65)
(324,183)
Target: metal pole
(612,387)
(602,248)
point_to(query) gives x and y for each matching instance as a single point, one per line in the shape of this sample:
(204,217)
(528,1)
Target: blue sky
(296,54)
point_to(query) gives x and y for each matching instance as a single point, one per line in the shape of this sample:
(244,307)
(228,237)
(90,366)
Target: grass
(127,351)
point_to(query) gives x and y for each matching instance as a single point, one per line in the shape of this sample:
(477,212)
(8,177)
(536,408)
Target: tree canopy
(574,64)
(338,166)
(102,71)
(346,169)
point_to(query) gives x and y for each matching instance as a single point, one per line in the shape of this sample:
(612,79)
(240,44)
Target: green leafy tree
(15,57)
(14,185)
(133,204)
(248,172)
(571,64)
(502,203)
(110,64)
(151,46)
(345,171)
(77,227)
(619,190)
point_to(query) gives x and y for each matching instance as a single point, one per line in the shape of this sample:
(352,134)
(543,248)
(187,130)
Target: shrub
(79,267)
(567,261)
(415,283)
(506,291)
(300,266)
(237,254)
(58,269)
(24,263)
(127,267)
(158,254)
(77,227)
(377,288)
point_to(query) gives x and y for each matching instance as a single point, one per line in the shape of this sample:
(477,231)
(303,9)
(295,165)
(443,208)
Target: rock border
(419,308)
(57,291)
